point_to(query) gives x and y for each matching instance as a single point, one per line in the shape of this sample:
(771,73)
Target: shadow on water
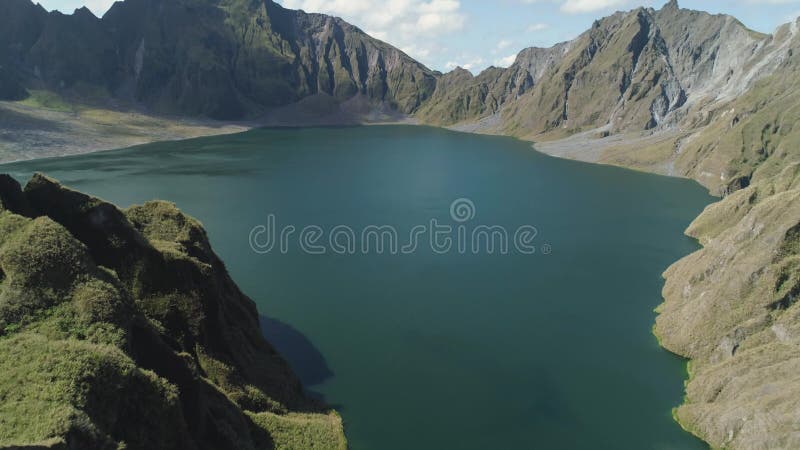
(301,354)
(548,404)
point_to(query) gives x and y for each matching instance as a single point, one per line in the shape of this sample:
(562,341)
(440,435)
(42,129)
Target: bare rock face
(618,74)
(643,71)
(536,61)
(333,57)
(732,144)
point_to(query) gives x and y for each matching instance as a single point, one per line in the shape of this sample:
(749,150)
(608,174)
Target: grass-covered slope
(122,329)
(733,308)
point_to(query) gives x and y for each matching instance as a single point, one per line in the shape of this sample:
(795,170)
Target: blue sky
(476,34)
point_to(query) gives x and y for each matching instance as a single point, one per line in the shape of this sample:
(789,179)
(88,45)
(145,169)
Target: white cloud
(503,44)
(534,27)
(586,6)
(506,61)
(440,16)
(412,25)
(98,7)
(470,63)
(419,52)
(473,64)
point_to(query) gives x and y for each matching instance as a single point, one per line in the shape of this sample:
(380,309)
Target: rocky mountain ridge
(662,70)
(656,65)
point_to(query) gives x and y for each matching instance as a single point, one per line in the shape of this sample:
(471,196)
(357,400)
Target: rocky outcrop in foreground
(122,329)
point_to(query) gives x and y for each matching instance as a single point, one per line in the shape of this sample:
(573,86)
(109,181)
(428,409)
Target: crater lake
(426,347)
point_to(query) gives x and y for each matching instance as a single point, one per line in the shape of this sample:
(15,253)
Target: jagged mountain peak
(537,59)
(626,54)
(671,5)
(84,11)
(631,71)
(458,70)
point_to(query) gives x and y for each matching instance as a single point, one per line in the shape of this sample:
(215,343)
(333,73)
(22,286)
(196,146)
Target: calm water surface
(440,351)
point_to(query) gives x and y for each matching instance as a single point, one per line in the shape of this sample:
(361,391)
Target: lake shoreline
(183,130)
(159,128)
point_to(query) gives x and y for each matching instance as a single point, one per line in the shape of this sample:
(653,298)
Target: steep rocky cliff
(627,56)
(122,329)
(640,71)
(459,96)
(224,59)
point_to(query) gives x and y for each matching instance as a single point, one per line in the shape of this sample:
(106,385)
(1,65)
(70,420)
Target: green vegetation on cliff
(225,59)
(732,306)
(122,329)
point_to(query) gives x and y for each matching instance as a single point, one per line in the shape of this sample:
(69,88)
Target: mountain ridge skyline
(468,36)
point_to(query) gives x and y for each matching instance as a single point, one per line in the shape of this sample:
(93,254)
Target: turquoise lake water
(436,349)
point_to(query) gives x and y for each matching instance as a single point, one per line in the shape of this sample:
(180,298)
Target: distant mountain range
(671,91)
(225,59)
(640,71)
